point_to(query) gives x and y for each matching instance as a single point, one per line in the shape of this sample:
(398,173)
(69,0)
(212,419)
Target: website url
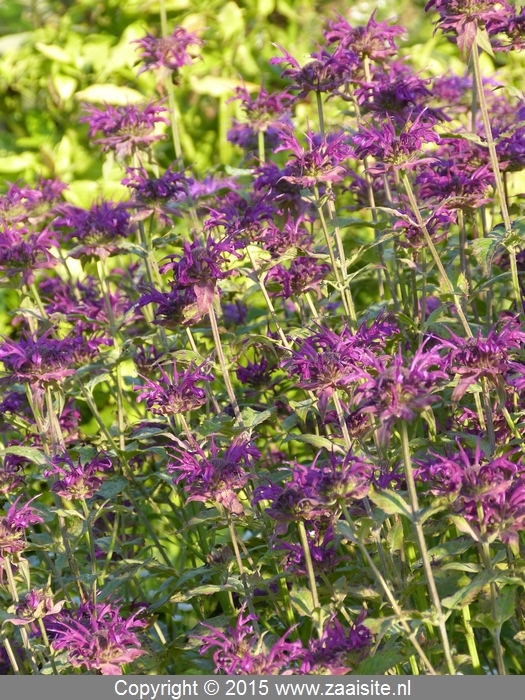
(370,688)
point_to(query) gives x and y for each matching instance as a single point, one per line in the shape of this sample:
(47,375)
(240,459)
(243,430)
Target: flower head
(240,652)
(125,129)
(96,637)
(339,649)
(13,526)
(218,477)
(23,252)
(167,52)
(176,395)
(376,41)
(79,481)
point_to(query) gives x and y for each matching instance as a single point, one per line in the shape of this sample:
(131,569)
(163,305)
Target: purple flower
(22,252)
(278,239)
(35,605)
(25,205)
(242,221)
(267,112)
(79,481)
(97,229)
(394,149)
(255,374)
(437,225)
(326,72)
(458,177)
(156,194)
(174,308)
(234,314)
(216,478)
(323,552)
(303,274)
(488,493)
(376,41)
(125,129)
(239,651)
(13,526)
(320,162)
(37,360)
(461,18)
(176,395)
(168,52)
(399,391)
(10,477)
(474,358)
(338,650)
(96,637)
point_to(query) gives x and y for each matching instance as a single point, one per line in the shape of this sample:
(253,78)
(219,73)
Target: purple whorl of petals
(24,205)
(126,128)
(323,552)
(23,251)
(37,360)
(339,649)
(303,274)
(168,52)
(240,652)
(320,162)
(13,526)
(255,374)
(392,148)
(326,72)
(79,481)
(474,358)
(176,307)
(375,41)
(215,478)
(96,637)
(488,493)
(241,220)
(146,189)
(98,229)
(176,395)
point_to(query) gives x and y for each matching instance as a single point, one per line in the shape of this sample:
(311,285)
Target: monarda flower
(13,528)
(326,72)
(320,162)
(35,605)
(217,478)
(199,268)
(397,390)
(29,205)
(239,651)
(375,41)
(167,53)
(96,637)
(23,252)
(174,308)
(125,129)
(11,473)
(323,552)
(460,19)
(474,358)
(242,221)
(156,194)
(97,230)
(267,113)
(176,395)
(78,481)
(37,360)
(394,148)
(304,273)
(339,649)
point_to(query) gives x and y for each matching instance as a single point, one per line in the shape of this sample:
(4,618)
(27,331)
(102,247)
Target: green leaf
(53,52)
(505,605)
(31,453)
(253,418)
(110,94)
(112,487)
(394,537)
(484,250)
(466,595)
(379,663)
(316,441)
(483,41)
(391,502)
(302,601)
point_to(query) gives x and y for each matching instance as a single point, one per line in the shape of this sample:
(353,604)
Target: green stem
(260,145)
(500,189)
(429,575)
(23,632)
(471,642)
(242,572)
(91,541)
(224,366)
(311,576)
(444,277)
(391,599)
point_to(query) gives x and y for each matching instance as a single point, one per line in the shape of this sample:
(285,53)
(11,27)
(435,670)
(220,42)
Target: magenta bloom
(339,649)
(35,605)
(79,481)
(303,274)
(25,205)
(156,194)
(375,41)
(215,478)
(394,149)
(97,637)
(125,129)
(37,360)
(169,52)
(326,72)
(239,651)
(98,229)
(13,527)
(320,162)
(178,395)
(23,252)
